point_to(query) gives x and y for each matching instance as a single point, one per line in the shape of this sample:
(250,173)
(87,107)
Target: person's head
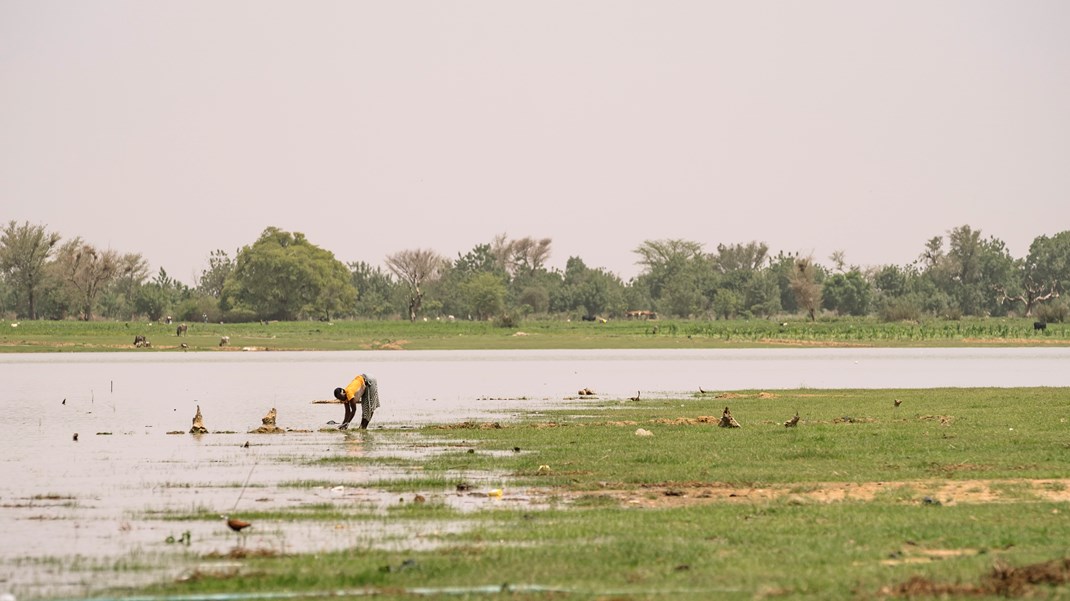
(340,394)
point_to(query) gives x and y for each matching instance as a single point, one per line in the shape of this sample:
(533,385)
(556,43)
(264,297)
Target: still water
(98,501)
(236,389)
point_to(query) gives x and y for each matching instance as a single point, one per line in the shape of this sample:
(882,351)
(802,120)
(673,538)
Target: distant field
(67,336)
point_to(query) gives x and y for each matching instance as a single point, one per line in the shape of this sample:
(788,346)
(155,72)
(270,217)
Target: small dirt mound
(1003,580)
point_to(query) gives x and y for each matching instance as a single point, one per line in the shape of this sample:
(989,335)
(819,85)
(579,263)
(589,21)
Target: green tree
(282,276)
(24,252)
(119,301)
(743,269)
(1044,274)
(972,271)
(485,295)
(727,303)
(589,291)
(376,291)
(847,293)
(677,276)
(215,275)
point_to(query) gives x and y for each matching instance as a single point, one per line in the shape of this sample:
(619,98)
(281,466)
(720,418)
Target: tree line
(284,276)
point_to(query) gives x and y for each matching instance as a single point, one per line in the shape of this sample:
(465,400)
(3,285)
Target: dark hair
(339,394)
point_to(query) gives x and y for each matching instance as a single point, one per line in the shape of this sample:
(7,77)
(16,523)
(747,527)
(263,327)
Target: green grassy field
(956,493)
(36,336)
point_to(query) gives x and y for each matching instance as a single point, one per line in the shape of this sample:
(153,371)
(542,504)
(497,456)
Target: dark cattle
(181,330)
(588,318)
(1039,325)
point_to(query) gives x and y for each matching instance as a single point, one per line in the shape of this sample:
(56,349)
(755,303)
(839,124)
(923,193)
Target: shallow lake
(67,507)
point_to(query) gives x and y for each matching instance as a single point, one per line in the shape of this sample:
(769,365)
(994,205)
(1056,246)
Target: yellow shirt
(354,387)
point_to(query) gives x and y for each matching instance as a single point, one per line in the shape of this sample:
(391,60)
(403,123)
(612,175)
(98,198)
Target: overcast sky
(176,128)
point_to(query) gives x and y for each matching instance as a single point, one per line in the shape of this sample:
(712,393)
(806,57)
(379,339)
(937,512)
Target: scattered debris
(1003,581)
(198,423)
(727,421)
(408,564)
(268,426)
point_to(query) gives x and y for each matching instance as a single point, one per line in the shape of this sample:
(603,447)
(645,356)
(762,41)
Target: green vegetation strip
(71,336)
(938,491)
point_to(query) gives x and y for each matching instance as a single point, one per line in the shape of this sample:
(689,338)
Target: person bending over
(364,390)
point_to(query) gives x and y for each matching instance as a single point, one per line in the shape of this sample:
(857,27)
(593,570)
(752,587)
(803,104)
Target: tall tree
(740,257)
(678,276)
(806,286)
(375,290)
(215,275)
(847,293)
(972,271)
(87,271)
(24,251)
(484,294)
(416,268)
(1045,272)
(591,291)
(520,256)
(283,275)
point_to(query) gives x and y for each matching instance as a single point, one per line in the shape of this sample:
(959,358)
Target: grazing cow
(181,330)
(140,341)
(1040,325)
(588,318)
(224,341)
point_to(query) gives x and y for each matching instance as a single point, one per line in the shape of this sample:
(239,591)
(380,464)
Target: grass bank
(949,493)
(71,336)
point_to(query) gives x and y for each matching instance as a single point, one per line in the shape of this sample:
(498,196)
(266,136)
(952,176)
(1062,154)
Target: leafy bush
(900,309)
(1053,312)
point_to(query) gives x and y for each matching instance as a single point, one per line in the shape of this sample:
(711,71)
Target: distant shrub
(900,309)
(1053,312)
(509,319)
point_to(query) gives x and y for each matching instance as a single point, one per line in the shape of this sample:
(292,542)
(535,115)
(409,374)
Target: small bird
(701,391)
(636,397)
(75,437)
(246,445)
(897,402)
(64,402)
(235,524)
(791,423)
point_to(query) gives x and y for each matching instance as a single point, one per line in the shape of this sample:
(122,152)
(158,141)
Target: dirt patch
(687,421)
(1004,581)
(922,492)
(471,425)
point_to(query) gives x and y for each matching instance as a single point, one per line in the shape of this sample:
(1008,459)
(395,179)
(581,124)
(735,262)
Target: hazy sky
(175,128)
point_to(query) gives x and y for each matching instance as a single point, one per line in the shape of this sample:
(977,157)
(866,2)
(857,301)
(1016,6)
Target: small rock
(643,432)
